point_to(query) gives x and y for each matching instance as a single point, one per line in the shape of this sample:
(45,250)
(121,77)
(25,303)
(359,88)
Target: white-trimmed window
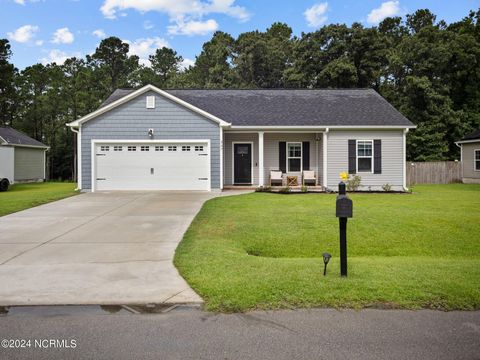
(172,148)
(132,148)
(104,148)
(185,148)
(158,148)
(476,159)
(118,148)
(365,156)
(294,156)
(145,148)
(198,147)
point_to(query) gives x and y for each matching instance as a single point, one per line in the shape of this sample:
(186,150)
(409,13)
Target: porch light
(326,259)
(150,133)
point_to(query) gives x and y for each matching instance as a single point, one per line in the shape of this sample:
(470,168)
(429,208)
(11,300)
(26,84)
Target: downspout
(405,131)
(325,158)
(77,162)
(461,158)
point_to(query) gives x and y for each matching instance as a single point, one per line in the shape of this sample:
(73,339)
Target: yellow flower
(344,176)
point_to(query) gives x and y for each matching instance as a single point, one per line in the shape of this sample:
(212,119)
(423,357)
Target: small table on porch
(292,180)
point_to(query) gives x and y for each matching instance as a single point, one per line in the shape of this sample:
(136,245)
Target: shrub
(263,189)
(285,190)
(353,182)
(304,189)
(387,187)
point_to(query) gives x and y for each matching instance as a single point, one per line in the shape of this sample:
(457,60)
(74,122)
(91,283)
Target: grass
(264,251)
(24,196)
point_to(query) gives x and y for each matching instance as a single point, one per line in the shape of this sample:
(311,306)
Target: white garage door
(154,166)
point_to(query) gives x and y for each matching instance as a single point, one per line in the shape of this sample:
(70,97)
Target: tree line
(428,69)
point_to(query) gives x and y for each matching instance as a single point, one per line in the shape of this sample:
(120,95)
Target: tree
(8,74)
(114,64)
(165,64)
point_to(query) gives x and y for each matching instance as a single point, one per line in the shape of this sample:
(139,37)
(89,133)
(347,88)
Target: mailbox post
(344,211)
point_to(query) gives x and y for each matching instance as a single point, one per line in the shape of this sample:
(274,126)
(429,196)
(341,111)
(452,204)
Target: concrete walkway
(100,248)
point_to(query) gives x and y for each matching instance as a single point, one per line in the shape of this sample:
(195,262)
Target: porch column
(261,180)
(325,158)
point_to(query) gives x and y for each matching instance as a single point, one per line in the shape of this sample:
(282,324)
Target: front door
(242,163)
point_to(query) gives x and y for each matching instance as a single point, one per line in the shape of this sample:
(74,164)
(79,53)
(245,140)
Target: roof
(17,138)
(287,107)
(472,136)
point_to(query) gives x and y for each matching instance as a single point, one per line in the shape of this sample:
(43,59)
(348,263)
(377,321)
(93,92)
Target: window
(104,148)
(172,148)
(158,148)
(185,148)
(364,155)
(198,147)
(117,148)
(477,159)
(294,157)
(144,148)
(132,148)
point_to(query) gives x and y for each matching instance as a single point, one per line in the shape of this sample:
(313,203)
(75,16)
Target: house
(153,139)
(470,155)
(22,159)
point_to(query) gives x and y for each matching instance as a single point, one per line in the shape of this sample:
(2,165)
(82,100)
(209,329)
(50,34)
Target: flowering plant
(344,176)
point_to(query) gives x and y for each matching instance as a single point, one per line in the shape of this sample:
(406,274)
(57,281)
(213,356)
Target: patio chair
(309,178)
(276,178)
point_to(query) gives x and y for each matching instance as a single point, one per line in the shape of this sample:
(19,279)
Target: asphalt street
(188,333)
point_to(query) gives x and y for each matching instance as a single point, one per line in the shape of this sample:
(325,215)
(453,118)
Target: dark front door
(242,163)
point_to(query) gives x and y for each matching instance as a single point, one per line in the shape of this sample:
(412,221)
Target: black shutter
(306,155)
(282,156)
(377,156)
(352,156)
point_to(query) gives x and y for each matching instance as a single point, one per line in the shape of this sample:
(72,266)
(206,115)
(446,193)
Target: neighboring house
(470,155)
(22,159)
(152,139)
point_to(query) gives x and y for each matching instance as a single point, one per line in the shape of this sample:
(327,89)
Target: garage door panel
(152,170)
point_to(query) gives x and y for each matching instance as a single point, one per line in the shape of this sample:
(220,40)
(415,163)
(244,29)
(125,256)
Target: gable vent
(150,102)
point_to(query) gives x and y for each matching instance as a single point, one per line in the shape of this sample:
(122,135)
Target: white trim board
(93,156)
(139,92)
(233,162)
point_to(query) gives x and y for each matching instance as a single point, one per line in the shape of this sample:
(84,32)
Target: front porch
(249,158)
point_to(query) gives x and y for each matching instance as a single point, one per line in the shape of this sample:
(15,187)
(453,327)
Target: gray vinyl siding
(468,164)
(29,164)
(271,157)
(392,158)
(131,121)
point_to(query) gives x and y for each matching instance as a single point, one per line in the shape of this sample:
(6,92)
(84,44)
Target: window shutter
(377,156)
(306,155)
(352,156)
(282,156)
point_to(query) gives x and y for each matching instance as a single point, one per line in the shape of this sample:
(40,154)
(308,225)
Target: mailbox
(344,207)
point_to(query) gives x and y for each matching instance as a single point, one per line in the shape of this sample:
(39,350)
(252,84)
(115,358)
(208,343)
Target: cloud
(145,47)
(192,27)
(315,15)
(58,57)
(147,25)
(39,42)
(99,33)
(387,9)
(186,15)
(63,36)
(186,63)
(23,34)
(23,2)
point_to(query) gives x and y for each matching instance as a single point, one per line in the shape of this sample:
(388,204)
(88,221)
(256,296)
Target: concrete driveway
(97,248)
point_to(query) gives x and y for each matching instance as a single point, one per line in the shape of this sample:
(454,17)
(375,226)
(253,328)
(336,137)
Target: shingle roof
(14,137)
(472,136)
(291,107)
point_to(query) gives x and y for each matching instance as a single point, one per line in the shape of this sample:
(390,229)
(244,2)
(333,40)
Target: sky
(53,30)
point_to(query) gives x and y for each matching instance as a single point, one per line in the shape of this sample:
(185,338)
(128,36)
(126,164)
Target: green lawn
(263,250)
(24,196)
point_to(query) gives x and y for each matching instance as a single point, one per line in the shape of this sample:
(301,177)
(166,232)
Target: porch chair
(309,178)
(276,178)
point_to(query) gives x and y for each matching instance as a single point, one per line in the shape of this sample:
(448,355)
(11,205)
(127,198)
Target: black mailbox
(344,207)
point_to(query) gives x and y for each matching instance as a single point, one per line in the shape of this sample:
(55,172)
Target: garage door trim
(95,142)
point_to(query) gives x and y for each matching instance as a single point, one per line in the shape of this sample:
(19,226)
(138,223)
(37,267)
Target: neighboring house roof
(472,136)
(287,107)
(10,136)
